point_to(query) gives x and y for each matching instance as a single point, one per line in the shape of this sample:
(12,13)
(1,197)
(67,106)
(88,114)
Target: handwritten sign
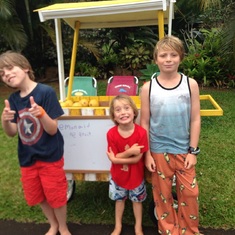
(85,144)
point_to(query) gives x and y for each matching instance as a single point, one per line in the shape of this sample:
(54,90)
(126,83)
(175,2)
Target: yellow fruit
(84,102)
(77,104)
(63,104)
(69,103)
(94,103)
(78,93)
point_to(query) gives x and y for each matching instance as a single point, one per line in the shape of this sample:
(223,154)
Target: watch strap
(194,151)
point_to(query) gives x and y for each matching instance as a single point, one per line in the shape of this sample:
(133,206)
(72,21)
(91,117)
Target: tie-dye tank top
(170,117)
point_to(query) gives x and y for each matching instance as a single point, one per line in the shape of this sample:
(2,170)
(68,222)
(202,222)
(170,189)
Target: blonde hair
(171,42)
(128,100)
(10,59)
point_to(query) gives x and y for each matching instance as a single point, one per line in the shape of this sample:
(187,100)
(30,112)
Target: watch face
(194,151)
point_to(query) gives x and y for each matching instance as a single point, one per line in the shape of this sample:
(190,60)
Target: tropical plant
(213,54)
(148,71)
(135,57)
(203,62)
(227,49)
(12,35)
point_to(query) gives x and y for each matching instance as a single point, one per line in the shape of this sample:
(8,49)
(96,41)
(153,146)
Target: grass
(215,168)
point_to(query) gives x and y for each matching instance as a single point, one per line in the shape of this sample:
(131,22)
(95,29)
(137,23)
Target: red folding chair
(122,85)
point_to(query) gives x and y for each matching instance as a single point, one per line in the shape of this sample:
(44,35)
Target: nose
(122,110)
(168,58)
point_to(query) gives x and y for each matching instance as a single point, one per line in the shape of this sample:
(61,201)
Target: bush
(203,61)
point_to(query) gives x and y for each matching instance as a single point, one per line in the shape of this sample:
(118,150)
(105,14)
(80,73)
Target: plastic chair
(122,85)
(82,86)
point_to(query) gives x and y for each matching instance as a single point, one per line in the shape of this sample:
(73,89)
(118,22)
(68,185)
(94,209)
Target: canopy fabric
(108,14)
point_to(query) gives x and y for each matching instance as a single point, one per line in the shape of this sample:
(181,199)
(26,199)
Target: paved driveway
(14,228)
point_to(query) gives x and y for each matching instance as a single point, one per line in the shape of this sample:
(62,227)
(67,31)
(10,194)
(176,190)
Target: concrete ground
(15,228)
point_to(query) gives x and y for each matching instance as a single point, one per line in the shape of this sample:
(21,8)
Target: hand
(135,149)
(110,154)
(190,161)
(150,163)
(7,113)
(35,110)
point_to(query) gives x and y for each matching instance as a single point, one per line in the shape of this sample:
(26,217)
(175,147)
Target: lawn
(215,168)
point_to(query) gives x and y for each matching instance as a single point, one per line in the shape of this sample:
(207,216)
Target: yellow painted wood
(160,24)
(73,59)
(103,108)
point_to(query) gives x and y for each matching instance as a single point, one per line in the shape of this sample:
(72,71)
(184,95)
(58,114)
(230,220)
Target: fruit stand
(86,120)
(84,128)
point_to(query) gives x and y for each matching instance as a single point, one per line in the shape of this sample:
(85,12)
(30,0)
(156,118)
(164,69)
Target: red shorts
(45,181)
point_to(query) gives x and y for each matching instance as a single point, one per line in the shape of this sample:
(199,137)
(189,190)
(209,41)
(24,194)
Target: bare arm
(9,127)
(134,150)
(49,125)
(116,160)
(195,122)
(144,122)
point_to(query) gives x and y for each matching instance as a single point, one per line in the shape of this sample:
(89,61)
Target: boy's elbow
(11,134)
(53,132)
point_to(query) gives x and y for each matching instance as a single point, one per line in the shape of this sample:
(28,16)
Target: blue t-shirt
(33,142)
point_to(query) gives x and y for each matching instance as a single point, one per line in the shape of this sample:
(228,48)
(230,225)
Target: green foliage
(13,35)
(202,61)
(148,72)
(85,69)
(108,60)
(135,57)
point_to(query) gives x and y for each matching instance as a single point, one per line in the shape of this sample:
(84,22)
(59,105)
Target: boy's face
(168,60)
(13,76)
(123,112)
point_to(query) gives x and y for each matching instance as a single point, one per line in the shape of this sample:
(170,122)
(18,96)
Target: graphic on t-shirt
(29,128)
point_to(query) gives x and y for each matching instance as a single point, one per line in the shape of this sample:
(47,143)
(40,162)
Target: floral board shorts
(118,193)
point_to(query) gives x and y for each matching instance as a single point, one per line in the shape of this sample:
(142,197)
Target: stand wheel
(152,211)
(71,189)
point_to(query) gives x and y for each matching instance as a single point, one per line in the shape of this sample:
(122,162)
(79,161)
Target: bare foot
(138,231)
(117,231)
(64,232)
(52,231)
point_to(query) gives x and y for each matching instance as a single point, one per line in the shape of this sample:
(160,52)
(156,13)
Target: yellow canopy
(108,14)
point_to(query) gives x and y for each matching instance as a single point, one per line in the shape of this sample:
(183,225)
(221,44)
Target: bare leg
(56,218)
(119,209)
(137,209)
(61,215)
(49,213)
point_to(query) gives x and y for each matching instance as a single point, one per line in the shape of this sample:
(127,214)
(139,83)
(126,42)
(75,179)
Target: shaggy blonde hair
(170,42)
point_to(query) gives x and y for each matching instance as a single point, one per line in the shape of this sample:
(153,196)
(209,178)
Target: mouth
(168,65)
(124,117)
(10,79)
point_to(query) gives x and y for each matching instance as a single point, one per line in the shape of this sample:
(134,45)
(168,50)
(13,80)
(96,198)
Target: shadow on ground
(15,228)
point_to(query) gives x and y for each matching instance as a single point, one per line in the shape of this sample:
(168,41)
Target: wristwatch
(194,151)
